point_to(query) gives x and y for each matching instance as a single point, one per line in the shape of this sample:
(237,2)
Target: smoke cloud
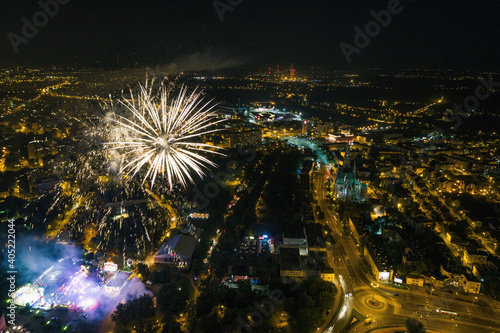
(58,265)
(198,61)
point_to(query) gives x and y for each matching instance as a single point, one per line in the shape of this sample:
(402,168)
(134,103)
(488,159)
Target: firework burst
(162,134)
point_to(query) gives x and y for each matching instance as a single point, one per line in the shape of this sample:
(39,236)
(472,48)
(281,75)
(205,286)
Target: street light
(475,298)
(431,292)
(374,285)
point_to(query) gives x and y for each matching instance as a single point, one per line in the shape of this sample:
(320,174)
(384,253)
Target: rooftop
(180,245)
(290,259)
(119,279)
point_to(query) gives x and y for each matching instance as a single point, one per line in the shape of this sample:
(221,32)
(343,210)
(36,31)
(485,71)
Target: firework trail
(162,134)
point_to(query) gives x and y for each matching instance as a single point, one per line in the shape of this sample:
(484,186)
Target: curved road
(395,309)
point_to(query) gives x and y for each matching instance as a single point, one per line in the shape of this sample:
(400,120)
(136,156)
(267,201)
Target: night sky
(188,35)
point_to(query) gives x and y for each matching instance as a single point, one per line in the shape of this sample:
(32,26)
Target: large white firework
(160,134)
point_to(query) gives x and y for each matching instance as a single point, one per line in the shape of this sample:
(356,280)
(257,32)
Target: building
(315,241)
(414,280)
(420,223)
(297,267)
(310,267)
(378,265)
(37,151)
(323,129)
(116,284)
(245,137)
(290,264)
(305,174)
(239,273)
(472,286)
(307,213)
(327,274)
(355,228)
(349,139)
(47,184)
(401,196)
(177,251)
(298,241)
(440,281)
(347,187)
(462,280)
(306,127)
(472,256)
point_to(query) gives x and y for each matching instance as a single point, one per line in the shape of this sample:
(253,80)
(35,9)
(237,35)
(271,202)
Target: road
(393,310)
(174,214)
(68,218)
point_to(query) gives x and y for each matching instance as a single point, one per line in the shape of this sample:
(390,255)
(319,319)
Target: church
(347,187)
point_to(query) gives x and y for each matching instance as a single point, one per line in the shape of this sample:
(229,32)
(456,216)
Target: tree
(191,316)
(421,267)
(144,306)
(324,292)
(197,266)
(143,271)
(245,289)
(306,320)
(121,315)
(173,297)
(134,310)
(306,310)
(461,229)
(146,325)
(492,287)
(161,274)
(266,327)
(414,326)
(402,269)
(170,324)
(11,162)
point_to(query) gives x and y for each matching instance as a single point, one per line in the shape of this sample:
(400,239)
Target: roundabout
(368,302)
(374,304)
